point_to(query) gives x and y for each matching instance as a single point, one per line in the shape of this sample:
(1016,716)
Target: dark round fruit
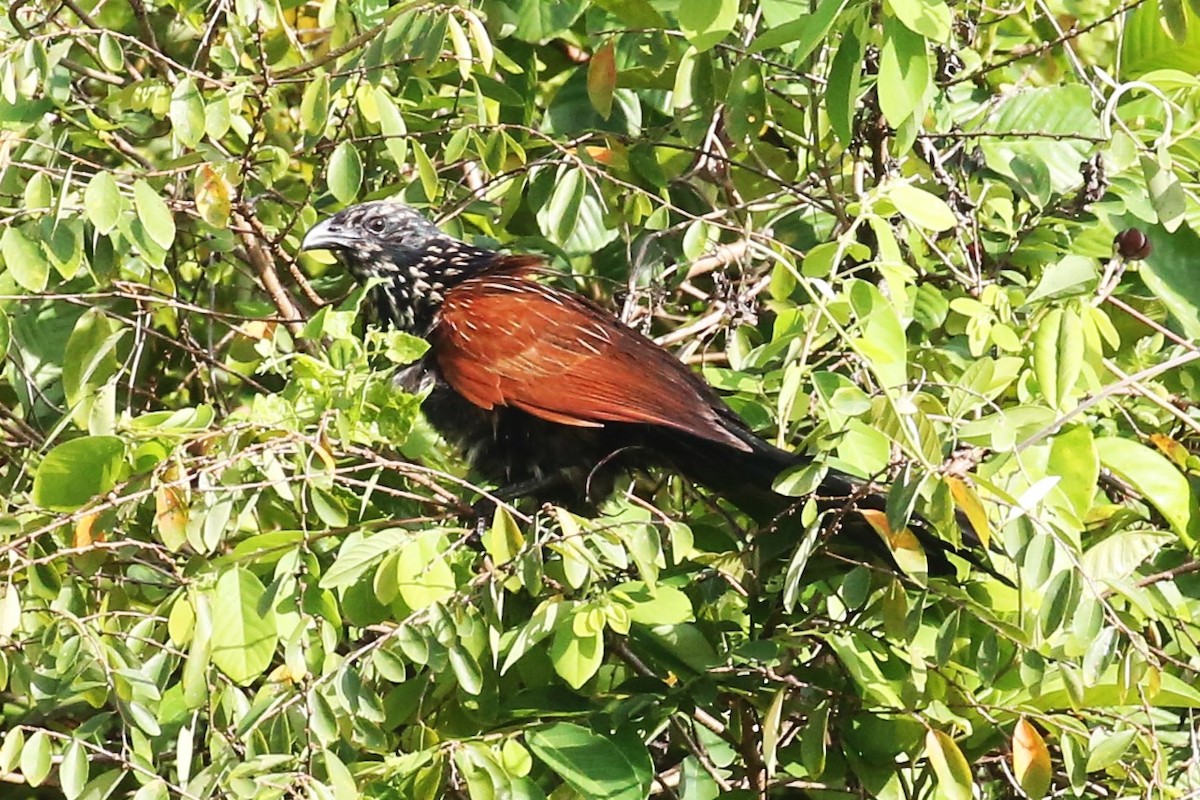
(1132,244)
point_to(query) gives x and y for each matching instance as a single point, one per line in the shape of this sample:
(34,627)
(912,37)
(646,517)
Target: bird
(548,394)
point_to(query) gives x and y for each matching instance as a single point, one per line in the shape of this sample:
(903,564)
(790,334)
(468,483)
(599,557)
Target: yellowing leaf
(85,535)
(1031,760)
(966,498)
(212,196)
(904,546)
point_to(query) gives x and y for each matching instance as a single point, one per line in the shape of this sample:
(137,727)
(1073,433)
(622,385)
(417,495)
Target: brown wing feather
(503,340)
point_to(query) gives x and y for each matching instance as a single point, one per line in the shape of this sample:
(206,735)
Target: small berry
(1132,244)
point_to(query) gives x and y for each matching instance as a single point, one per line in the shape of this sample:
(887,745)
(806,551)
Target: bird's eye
(377,225)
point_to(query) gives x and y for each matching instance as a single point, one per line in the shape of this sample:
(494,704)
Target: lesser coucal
(545,392)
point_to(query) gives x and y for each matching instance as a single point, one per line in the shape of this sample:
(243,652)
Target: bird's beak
(325,235)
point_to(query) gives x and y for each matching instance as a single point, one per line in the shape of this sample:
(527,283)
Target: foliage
(238,564)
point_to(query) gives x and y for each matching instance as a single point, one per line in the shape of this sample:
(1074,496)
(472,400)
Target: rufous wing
(504,340)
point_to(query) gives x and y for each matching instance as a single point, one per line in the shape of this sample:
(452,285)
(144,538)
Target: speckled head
(390,240)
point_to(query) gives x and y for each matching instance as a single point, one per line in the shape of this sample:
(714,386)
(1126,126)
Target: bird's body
(546,393)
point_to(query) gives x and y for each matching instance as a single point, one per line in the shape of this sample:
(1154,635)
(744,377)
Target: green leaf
(746,100)
(930,18)
(1175,18)
(1155,478)
(102,202)
(75,472)
(392,126)
(1118,556)
(1064,110)
(845,84)
(592,764)
(154,214)
(1074,460)
(1106,749)
(24,259)
(187,114)
(951,767)
(345,173)
(1166,192)
(35,758)
(921,208)
(73,771)
(357,556)
(423,576)
(559,216)
(706,23)
(89,362)
(1058,349)
(539,20)
(904,73)
(244,638)
(806,30)
(314,105)
(576,657)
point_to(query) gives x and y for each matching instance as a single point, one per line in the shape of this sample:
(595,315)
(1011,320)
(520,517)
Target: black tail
(746,478)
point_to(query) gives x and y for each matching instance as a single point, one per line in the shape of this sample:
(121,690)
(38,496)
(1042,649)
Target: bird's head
(392,241)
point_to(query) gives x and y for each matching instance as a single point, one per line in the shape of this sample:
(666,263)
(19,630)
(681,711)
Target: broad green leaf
(1146,45)
(806,30)
(90,361)
(391,124)
(560,215)
(1073,275)
(75,472)
(35,758)
(345,173)
(576,658)
(73,771)
(845,84)
(102,201)
(244,636)
(707,22)
(358,555)
(24,260)
(1175,18)
(953,772)
(930,18)
(1073,459)
(1066,110)
(1119,555)
(746,101)
(314,105)
(1058,349)
(1106,748)
(461,47)
(545,620)
(539,20)
(39,193)
(592,764)
(1155,478)
(154,214)
(921,208)
(1166,192)
(423,576)
(110,53)
(904,73)
(187,114)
